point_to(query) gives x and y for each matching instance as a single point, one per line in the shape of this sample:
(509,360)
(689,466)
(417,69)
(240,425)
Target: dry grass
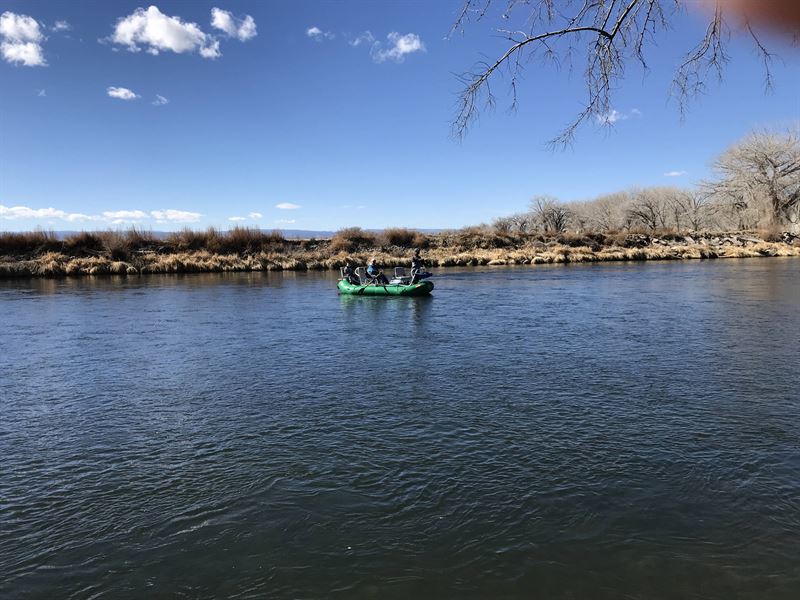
(242,249)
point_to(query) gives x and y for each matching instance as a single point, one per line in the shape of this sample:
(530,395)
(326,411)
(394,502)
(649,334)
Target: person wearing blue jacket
(375,273)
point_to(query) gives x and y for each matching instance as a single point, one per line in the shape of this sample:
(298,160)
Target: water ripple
(602,431)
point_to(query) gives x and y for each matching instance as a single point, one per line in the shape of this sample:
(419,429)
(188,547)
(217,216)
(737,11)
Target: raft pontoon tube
(423,288)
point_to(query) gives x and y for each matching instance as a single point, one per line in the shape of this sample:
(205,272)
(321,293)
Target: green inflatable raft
(421,288)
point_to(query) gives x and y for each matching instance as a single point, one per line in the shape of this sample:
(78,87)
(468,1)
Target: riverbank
(133,253)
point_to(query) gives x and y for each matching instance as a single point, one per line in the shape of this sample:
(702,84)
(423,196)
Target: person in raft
(350,274)
(375,273)
(417,266)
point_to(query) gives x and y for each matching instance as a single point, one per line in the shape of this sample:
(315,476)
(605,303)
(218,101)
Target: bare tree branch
(611,32)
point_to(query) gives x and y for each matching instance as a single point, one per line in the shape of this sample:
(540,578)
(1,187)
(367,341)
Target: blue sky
(262,121)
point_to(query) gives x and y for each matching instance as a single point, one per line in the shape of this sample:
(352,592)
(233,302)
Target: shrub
(119,245)
(83,243)
(352,238)
(773,233)
(483,237)
(189,239)
(420,240)
(246,240)
(28,242)
(399,236)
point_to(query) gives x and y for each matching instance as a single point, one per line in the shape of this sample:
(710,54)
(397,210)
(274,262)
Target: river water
(591,431)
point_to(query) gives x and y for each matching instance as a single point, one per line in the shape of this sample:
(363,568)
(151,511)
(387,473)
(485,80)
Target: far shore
(38,254)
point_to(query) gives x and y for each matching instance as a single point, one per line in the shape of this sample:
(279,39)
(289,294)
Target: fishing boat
(415,284)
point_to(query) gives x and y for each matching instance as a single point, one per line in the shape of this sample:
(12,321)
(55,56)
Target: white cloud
(399,46)
(363,38)
(41,93)
(316,34)
(156,32)
(21,40)
(614,115)
(287,206)
(611,117)
(237,219)
(242,29)
(175,216)
(121,93)
(28,54)
(19,28)
(116,217)
(160,100)
(286,221)
(61,26)
(675,173)
(211,50)
(255,215)
(125,215)
(24,212)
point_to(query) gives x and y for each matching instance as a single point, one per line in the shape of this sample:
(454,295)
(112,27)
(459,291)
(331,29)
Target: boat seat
(361,272)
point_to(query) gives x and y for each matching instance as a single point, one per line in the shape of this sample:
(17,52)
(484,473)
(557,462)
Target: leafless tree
(607,212)
(550,214)
(503,225)
(607,33)
(761,174)
(524,222)
(647,209)
(695,209)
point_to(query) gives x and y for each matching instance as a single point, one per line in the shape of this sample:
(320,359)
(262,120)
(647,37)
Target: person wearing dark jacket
(417,266)
(349,274)
(417,262)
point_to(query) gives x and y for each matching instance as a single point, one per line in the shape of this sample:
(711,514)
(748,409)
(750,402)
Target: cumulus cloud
(287,206)
(316,34)
(116,217)
(255,215)
(20,40)
(156,32)
(121,93)
(241,29)
(160,100)
(61,26)
(237,219)
(175,216)
(675,173)
(127,219)
(125,215)
(397,48)
(25,212)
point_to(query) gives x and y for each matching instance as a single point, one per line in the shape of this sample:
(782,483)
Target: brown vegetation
(351,239)
(134,252)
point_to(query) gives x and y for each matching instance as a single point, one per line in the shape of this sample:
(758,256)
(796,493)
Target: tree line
(756,185)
